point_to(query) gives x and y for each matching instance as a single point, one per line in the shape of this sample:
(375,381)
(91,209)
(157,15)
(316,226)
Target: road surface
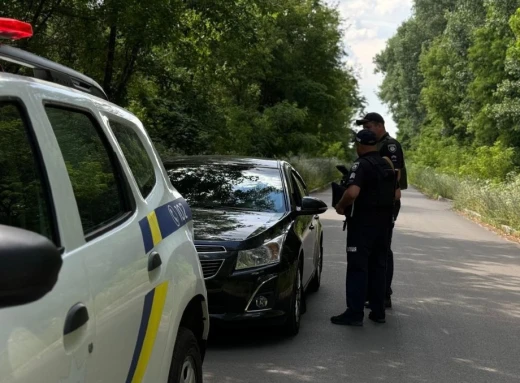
(456,315)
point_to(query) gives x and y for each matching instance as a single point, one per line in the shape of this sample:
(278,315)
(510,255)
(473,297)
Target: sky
(368,24)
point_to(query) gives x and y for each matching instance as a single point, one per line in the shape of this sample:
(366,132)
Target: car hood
(220,225)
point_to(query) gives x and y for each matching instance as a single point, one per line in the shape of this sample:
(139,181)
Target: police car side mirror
(29,266)
(312,206)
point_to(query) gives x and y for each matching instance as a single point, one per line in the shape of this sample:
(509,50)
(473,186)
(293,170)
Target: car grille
(210,249)
(211,267)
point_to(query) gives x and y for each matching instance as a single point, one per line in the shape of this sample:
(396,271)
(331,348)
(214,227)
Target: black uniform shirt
(391,148)
(363,174)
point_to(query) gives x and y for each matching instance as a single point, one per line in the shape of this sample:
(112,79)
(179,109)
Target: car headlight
(267,254)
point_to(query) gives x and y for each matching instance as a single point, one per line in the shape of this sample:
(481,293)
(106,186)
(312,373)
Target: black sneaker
(346,320)
(377,319)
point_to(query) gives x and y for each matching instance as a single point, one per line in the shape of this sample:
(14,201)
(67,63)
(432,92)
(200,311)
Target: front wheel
(316,280)
(292,326)
(187,362)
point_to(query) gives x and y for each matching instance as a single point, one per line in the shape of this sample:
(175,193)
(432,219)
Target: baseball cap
(371,117)
(366,137)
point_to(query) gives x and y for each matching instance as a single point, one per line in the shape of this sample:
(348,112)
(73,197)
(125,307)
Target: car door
(304,227)
(50,339)
(313,240)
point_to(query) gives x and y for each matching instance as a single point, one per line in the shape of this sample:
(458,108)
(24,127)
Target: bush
(497,202)
(316,172)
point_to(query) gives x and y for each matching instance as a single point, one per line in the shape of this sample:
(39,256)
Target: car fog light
(261,302)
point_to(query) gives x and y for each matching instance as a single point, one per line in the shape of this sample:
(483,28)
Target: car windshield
(229,187)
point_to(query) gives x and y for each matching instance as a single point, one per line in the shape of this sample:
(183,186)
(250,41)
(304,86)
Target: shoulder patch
(392,148)
(352,175)
(355,166)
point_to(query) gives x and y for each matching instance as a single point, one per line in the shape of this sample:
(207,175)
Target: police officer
(370,196)
(391,148)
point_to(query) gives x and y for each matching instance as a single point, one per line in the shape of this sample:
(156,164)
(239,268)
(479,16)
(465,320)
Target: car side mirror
(312,206)
(29,266)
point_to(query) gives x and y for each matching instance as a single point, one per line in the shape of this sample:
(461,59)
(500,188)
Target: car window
(136,156)
(24,202)
(98,191)
(298,193)
(245,187)
(301,186)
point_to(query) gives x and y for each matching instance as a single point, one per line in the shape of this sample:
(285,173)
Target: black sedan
(258,235)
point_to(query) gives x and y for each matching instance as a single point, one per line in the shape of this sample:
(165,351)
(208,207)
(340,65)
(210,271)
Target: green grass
(317,172)
(498,203)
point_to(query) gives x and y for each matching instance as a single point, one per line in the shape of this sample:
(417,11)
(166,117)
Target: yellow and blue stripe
(151,319)
(164,221)
(155,227)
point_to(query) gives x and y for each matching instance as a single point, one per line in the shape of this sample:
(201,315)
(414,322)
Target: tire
(315,283)
(292,324)
(187,363)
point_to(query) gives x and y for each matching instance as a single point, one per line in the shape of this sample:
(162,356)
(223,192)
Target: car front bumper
(232,296)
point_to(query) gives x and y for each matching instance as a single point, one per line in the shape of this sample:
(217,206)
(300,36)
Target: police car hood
(230,225)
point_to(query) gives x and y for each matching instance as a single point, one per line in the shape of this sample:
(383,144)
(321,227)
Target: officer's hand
(340,210)
(398,194)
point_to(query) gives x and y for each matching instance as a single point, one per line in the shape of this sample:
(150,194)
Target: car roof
(223,160)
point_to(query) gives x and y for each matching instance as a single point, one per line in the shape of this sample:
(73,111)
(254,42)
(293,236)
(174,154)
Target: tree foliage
(451,81)
(249,77)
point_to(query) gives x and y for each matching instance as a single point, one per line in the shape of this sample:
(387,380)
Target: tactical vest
(379,193)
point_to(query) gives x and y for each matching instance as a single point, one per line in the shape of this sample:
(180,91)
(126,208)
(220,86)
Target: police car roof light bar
(14,29)
(43,69)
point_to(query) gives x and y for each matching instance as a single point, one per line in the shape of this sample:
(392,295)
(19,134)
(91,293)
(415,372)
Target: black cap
(366,137)
(371,117)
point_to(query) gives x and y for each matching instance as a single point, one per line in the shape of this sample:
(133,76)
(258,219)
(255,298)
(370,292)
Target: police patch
(352,176)
(355,166)
(392,148)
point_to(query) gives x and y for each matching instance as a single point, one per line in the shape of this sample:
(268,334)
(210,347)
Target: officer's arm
(394,151)
(349,196)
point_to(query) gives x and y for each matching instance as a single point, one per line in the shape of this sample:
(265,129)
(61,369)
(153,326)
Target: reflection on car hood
(220,225)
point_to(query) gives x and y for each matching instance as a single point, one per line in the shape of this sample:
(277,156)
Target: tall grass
(317,172)
(498,203)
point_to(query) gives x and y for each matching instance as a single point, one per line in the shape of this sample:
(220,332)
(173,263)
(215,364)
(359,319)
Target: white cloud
(370,23)
(361,33)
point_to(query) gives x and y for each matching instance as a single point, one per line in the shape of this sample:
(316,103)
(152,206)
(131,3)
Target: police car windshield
(229,187)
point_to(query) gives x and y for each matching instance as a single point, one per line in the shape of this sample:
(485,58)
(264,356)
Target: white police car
(99,277)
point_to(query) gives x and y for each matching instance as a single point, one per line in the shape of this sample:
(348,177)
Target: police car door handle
(311,227)
(76,317)
(154,261)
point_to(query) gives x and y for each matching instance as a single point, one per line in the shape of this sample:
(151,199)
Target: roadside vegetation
(451,76)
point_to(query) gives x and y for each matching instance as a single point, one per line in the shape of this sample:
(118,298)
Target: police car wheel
(187,363)
(292,325)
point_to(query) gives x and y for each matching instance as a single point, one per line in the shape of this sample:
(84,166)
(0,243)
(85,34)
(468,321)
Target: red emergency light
(14,29)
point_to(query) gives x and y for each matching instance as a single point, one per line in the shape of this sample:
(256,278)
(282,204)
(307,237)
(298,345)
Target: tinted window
(136,156)
(98,195)
(301,186)
(23,201)
(239,187)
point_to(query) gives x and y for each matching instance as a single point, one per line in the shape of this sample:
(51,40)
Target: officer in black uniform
(391,148)
(370,195)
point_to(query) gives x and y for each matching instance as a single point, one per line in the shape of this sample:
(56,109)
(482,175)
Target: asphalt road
(456,314)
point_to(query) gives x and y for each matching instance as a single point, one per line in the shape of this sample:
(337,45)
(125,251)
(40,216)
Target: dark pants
(390,259)
(367,252)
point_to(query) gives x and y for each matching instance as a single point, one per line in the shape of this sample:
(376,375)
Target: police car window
(99,196)
(136,156)
(23,198)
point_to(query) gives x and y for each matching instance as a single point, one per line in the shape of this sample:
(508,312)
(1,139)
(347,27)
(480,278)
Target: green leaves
(452,85)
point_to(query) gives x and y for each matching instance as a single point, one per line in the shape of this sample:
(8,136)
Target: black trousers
(367,253)
(390,259)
